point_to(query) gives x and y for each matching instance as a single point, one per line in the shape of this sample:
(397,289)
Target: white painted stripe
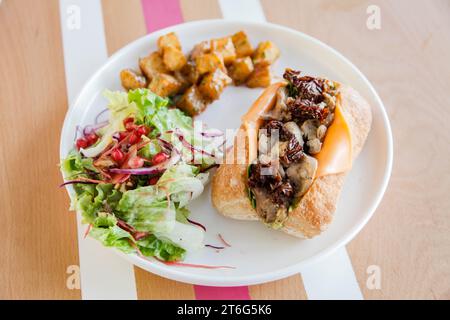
(332,277)
(244,10)
(104,275)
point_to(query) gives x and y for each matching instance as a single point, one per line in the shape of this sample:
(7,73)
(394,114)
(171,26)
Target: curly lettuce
(159,210)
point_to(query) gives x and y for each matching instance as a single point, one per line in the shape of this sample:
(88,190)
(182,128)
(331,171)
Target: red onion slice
(94,127)
(190,146)
(81,180)
(166,145)
(214,247)
(99,115)
(140,171)
(223,240)
(196,223)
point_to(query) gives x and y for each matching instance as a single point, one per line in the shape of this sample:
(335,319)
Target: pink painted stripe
(221,293)
(160,14)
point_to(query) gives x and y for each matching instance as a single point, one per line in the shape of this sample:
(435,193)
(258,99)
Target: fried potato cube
(266,52)
(183,80)
(209,62)
(130,79)
(192,102)
(260,77)
(213,84)
(241,69)
(225,47)
(190,72)
(173,58)
(242,44)
(164,85)
(152,65)
(199,49)
(169,40)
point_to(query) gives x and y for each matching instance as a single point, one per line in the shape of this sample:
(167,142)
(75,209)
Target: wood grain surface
(39,239)
(406,60)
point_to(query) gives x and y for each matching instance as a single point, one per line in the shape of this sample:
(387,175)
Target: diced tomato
(129,124)
(117,155)
(81,143)
(91,138)
(159,158)
(134,138)
(136,162)
(122,135)
(153,180)
(142,130)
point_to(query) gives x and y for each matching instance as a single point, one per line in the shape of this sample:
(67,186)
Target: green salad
(134,175)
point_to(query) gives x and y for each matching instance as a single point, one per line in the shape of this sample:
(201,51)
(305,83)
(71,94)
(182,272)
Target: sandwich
(291,155)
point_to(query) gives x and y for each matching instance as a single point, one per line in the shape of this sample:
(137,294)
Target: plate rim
(173,273)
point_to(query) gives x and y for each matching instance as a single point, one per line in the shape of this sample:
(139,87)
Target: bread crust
(315,210)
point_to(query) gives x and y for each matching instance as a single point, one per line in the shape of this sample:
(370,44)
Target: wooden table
(407,60)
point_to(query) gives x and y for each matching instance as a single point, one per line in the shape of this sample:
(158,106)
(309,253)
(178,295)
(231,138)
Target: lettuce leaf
(105,230)
(149,209)
(182,182)
(153,112)
(94,199)
(146,209)
(119,109)
(113,237)
(150,149)
(74,165)
(147,103)
(152,246)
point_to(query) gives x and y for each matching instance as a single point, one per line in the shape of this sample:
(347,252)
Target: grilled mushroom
(302,174)
(309,129)
(294,130)
(270,212)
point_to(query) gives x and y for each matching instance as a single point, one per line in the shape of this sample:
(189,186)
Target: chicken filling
(291,134)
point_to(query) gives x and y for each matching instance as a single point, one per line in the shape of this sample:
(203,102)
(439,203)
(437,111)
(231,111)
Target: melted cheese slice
(336,153)
(252,119)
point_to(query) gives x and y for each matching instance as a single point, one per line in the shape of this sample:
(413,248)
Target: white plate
(257,253)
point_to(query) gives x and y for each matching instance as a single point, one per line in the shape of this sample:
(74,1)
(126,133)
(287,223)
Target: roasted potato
(152,65)
(213,84)
(199,49)
(168,40)
(173,58)
(164,85)
(195,80)
(240,70)
(260,77)
(190,72)
(192,102)
(130,79)
(266,52)
(225,47)
(183,80)
(209,62)
(242,45)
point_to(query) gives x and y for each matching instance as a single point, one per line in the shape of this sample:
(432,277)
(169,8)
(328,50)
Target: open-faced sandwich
(298,142)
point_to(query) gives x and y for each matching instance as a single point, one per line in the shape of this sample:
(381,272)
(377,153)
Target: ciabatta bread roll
(301,197)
